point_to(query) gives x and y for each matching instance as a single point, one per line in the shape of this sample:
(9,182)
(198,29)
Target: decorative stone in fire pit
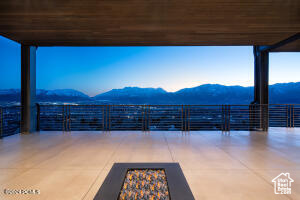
(145,181)
(145,184)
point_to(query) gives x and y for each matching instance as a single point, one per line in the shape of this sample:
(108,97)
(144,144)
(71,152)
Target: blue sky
(94,70)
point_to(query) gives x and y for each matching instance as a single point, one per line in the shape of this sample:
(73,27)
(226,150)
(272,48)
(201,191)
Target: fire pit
(145,181)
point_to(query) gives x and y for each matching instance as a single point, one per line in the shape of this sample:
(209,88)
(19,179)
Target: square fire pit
(145,181)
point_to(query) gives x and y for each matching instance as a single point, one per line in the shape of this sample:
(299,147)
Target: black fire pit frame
(177,184)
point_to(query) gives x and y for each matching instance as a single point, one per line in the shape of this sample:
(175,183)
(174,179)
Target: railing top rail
(208,105)
(49,105)
(162,104)
(294,104)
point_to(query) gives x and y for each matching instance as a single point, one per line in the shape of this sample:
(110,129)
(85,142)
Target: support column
(261,76)
(261,84)
(28,89)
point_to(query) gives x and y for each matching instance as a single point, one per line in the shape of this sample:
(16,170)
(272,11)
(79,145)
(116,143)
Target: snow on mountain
(62,92)
(60,95)
(132,91)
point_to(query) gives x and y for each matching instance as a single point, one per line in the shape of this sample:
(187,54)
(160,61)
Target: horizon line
(150,87)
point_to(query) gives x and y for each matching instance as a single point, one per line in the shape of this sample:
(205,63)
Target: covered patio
(217,165)
(267,26)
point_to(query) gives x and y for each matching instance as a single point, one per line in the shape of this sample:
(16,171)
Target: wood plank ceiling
(149,22)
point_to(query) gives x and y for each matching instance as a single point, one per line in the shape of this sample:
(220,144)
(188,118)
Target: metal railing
(284,115)
(167,117)
(10,120)
(153,117)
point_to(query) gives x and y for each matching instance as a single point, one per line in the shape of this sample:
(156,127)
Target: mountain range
(281,93)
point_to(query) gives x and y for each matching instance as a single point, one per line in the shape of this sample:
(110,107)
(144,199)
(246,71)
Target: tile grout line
(169,148)
(253,171)
(98,175)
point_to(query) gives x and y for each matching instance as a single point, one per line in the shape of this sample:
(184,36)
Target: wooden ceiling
(149,22)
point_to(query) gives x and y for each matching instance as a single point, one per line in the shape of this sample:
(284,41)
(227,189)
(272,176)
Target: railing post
(185,118)
(66,117)
(292,116)
(103,117)
(266,117)
(143,117)
(106,118)
(223,119)
(108,113)
(1,122)
(250,117)
(188,118)
(38,110)
(63,118)
(148,117)
(287,116)
(182,119)
(69,118)
(228,119)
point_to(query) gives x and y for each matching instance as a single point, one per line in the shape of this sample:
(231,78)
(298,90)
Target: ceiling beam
(289,40)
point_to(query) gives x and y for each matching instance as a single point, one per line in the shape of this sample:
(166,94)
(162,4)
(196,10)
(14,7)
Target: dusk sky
(94,70)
